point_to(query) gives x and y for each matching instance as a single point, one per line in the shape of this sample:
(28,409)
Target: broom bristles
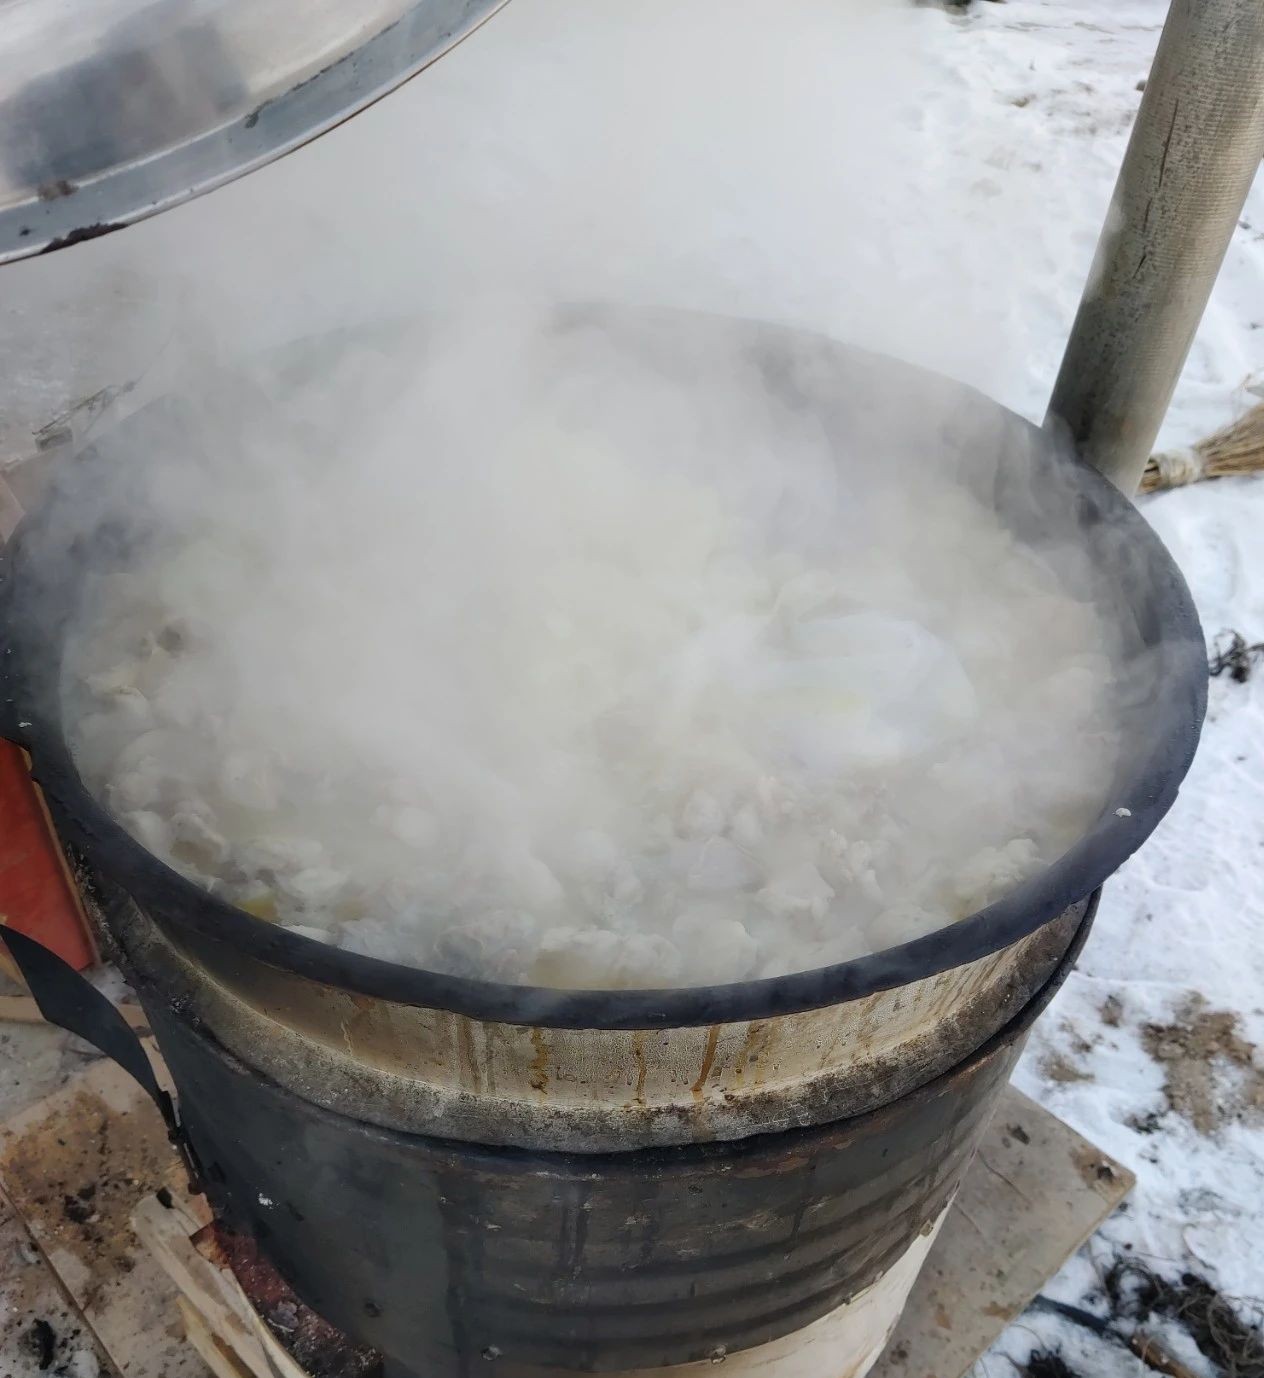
(1237,448)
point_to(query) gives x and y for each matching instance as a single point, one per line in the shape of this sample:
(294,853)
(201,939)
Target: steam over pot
(617,1180)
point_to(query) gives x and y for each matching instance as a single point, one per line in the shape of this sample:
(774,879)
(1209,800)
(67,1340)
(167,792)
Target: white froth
(563,696)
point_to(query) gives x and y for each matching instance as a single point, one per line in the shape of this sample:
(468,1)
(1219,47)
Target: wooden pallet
(74,1166)
(218,1321)
(161,1302)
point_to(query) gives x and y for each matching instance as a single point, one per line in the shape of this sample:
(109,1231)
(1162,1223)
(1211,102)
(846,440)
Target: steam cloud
(548,654)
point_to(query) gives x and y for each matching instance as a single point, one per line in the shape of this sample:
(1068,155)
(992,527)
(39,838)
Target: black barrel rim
(28,715)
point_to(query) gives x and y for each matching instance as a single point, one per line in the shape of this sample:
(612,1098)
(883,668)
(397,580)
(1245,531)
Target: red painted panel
(37,895)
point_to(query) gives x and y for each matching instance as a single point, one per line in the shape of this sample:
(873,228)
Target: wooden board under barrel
(1035,1192)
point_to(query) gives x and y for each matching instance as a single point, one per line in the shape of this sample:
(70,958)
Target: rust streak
(638,1051)
(708,1060)
(468,1057)
(539,1072)
(744,1053)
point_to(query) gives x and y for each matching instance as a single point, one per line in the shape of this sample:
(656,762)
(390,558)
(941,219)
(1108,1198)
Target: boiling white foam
(590,680)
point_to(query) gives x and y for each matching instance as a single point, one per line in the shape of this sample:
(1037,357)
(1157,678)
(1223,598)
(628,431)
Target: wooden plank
(282,1365)
(217,1334)
(37,1319)
(216,1355)
(74,1166)
(22,1009)
(167,1231)
(1035,1192)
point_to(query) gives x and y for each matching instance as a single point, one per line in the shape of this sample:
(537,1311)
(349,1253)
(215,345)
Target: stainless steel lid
(112,110)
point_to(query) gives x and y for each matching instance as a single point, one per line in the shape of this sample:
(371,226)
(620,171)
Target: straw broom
(1235,449)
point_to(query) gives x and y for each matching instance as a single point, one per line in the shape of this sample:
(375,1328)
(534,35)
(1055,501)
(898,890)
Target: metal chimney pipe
(1195,148)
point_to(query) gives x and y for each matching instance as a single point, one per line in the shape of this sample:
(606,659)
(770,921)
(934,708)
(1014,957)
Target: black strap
(67,999)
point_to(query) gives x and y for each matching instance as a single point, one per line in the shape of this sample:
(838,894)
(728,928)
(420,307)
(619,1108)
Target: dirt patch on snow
(1212,1074)
(1057,1067)
(1112,1011)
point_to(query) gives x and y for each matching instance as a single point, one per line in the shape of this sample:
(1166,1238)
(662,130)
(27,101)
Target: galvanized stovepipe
(1195,148)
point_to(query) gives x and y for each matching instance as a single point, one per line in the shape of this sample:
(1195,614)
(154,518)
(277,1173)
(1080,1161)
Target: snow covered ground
(973,264)
(1155,1048)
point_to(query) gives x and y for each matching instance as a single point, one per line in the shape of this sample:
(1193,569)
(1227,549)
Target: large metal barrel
(471,1176)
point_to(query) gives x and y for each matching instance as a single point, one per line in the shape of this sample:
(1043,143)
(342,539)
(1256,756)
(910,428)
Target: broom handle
(1195,148)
